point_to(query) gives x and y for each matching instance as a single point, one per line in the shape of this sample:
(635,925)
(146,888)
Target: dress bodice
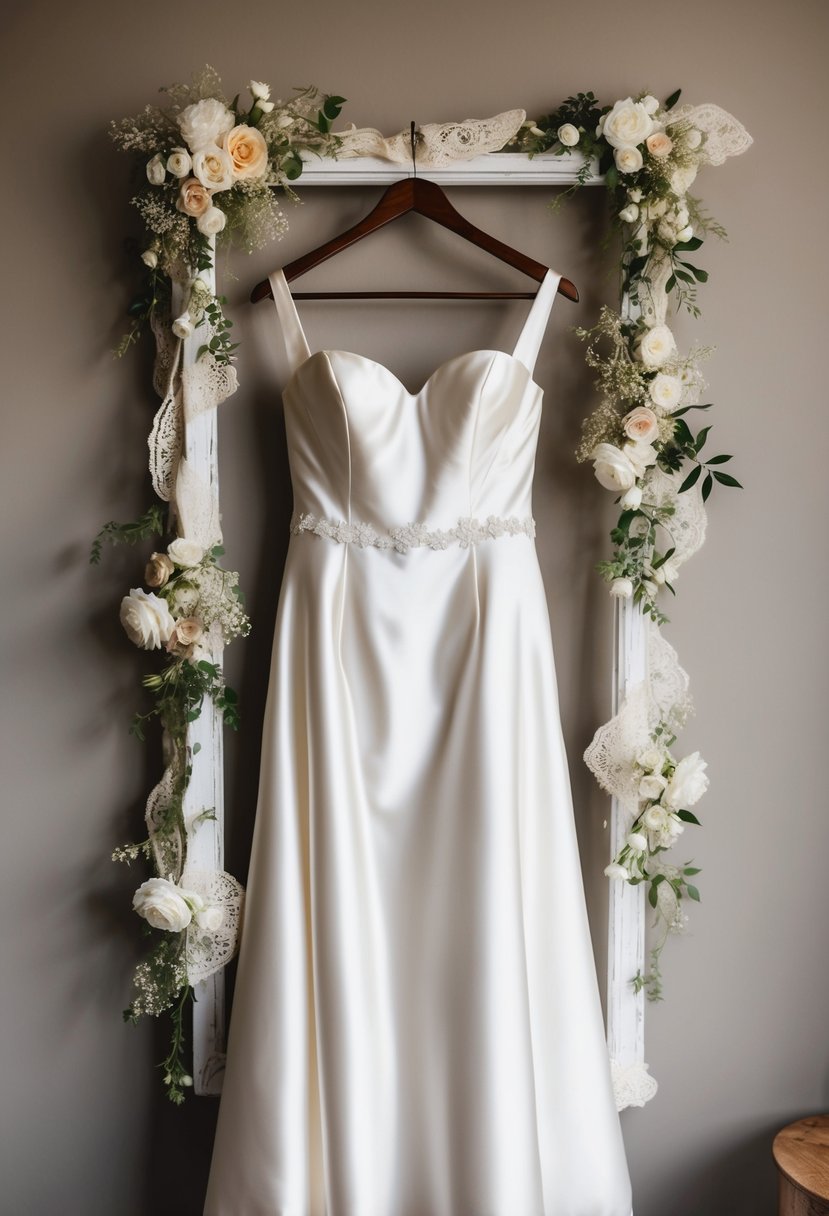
(365,451)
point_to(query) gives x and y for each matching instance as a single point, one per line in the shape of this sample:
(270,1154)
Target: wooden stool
(801,1153)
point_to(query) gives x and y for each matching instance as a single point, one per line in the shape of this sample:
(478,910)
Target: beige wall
(740,1044)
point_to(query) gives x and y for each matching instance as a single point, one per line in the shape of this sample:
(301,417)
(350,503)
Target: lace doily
(206,384)
(633,1085)
(688,524)
(725,135)
(466,532)
(438,144)
(208,950)
(197,506)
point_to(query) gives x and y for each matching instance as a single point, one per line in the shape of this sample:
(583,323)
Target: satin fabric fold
(416,1028)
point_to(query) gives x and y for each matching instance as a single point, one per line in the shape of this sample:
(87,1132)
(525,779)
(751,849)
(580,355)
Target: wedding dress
(416,1028)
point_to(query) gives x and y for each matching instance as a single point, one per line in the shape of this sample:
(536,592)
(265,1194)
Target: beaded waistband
(467,531)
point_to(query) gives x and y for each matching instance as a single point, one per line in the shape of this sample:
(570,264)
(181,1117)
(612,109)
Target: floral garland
(644,450)
(208,168)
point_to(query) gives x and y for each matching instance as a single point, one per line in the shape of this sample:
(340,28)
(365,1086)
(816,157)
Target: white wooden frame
(626,919)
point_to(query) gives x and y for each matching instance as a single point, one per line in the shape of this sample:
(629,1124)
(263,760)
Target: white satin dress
(416,1029)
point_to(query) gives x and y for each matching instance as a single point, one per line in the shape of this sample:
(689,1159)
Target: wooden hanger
(427,199)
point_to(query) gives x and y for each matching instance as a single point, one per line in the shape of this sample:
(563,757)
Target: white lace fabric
(438,144)
(468,531)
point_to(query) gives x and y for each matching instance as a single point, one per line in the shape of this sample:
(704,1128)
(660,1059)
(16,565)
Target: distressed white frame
(626,917)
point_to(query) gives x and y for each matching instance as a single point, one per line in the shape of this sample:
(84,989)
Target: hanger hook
(413,136)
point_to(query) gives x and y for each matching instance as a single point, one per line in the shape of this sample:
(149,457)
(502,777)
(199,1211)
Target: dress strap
(296,344)
(530,338)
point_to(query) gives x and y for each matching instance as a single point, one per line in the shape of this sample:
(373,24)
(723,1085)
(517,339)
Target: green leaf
(332,106)
(673,99)
(726,479)
(707,487)
(323,123)
(691,480)
(689,817)
(196,748)
(685,409)
(670,285)
(701,276)
(693,893)
(699,442)
(718,459)
(688,246)
(692,870)
(653,895)
(292,167)
(611,178)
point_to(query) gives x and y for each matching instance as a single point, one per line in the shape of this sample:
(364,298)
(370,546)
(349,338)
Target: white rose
(652,786)
(649,104)
(204,123)
(651,759)
(688,783)
(212,222)
(612,468)
(693,138)
(629,213)
(641,424)
(183,327)
(656,346)
(213,168)
(628,160)
(637,842)
(210,918)
(627,124)
(631,500)
(146,619)
(156,171)
(568,135)
(655,818)
(641,455)
(164,905)
(614,870)
(665,391)
(259,90)
(659,145)
(179,162)
(621,588)
(685,233)
(150,258)
(185,552)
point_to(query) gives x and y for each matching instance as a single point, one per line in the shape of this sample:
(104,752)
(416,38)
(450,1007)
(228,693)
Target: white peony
(213,167)
(204,123)
(631,500)
(146,619)
(628,160)
(621,588)
(185,552)
(612,468)
(652,786)
(641,455)
(156,171)
(615,870)
(656,346)
(629,213)
(665,391)
(260,91)
(627,124)
(568,135)
(688,783)
(150,258)
(637,842)
(212,222)
(164,905)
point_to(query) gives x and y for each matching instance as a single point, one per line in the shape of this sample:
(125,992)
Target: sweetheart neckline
(442,367)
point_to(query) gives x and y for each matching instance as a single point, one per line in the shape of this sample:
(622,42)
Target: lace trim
(438,144)
(467,531)
(632,1084)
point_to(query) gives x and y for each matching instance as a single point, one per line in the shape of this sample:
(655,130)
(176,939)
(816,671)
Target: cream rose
(631,500)
(248,152)
(568,135)
(189,630)
(212,222)
(665,391)
(156,171)
(641,424)
(628,160)
(659,145)
(213,168)
(185,552)
(164,905)
(656,346)
(641,455)
(688,783)
(204,123)
(193,199)
(179,162)
(627,124)
(158,571)
(146,619)
(612,468)
(621,588)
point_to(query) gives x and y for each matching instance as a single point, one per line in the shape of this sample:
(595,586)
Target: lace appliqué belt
(466,532)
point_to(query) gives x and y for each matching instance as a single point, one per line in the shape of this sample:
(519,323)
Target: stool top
(801,1152)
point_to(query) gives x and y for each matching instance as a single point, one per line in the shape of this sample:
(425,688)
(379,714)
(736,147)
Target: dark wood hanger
(427,199)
